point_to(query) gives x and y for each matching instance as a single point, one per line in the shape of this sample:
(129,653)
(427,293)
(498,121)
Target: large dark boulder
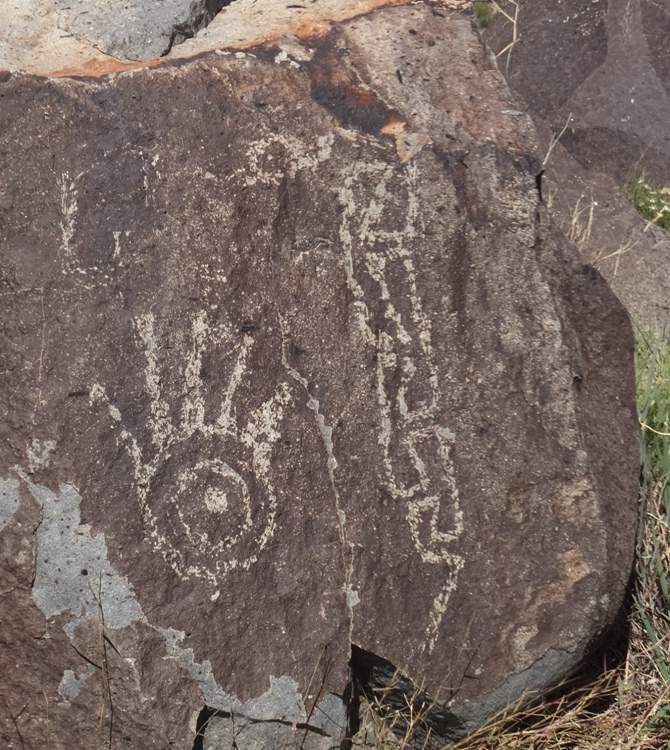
(294,360)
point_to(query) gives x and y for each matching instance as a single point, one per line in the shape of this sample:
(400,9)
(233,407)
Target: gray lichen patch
(272,721)
(282,702)
(73,574)
(71,683)
(213,695)
(243,733)
(72,570)
(9,500)
(330,715)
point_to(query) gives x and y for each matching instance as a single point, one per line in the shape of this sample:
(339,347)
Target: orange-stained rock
(90,37)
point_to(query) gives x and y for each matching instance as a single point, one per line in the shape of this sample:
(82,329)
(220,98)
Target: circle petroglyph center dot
(224,493)
(215,500)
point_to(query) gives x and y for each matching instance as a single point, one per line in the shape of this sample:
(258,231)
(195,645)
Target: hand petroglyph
(184,457)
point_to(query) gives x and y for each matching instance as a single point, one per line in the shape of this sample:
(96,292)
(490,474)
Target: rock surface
(297,362)
(604,71)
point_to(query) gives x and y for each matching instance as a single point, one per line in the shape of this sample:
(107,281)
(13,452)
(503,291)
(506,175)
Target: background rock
(601,69)
(136,29)
(297,362)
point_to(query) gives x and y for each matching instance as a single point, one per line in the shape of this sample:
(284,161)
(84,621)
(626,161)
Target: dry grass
(486,10)
(621,700)
(579,231)
(581,224)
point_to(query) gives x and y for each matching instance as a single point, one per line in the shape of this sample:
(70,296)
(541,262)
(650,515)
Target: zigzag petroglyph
(411,431)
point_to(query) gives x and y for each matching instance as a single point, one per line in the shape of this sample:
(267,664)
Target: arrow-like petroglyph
(187,455)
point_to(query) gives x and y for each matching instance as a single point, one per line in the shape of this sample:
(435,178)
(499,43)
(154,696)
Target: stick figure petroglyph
(198,509)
